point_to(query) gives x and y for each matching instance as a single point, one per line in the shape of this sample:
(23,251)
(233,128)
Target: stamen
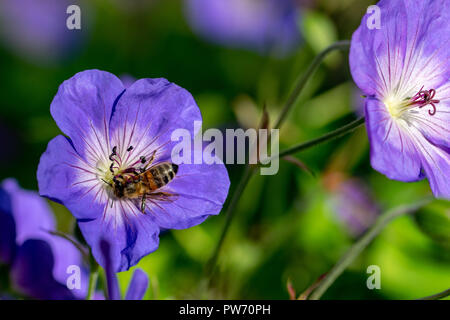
(424,98)
(130,148)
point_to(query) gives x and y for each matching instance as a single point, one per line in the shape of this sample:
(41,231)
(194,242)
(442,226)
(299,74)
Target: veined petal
(391,150)
(435,163)
(199,191)
(65,177)
(408,51)
(82,110)
(147,114)
(130,234)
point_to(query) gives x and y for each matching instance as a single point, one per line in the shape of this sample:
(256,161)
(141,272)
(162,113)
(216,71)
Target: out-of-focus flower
(113,135)
(352,202)
(404,70)
(37,30)
(267,26)
(38,261)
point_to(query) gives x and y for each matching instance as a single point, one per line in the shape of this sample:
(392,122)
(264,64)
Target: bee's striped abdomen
(161,174)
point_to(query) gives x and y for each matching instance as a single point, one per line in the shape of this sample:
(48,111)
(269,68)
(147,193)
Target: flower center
(118,168)
(421,99)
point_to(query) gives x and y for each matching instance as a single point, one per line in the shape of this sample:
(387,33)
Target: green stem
(93,278)
(438,296)
(326,137)
(362,243)
(229,213)
(249,170)
(340,45)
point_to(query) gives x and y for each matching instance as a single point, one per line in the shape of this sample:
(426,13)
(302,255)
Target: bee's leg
(143,204)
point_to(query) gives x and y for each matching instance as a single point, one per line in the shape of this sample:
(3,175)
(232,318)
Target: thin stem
(229,213)
(93,278)
(249,170)
(362,243)
(326,137)
(340,45)
(438,296)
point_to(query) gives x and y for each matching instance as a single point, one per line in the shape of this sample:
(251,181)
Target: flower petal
(407,52)
(130,234)
(32,272)
(146,115)
(391,150)
(33,219)
(435,163)
(32,215)
(65,178)
(200,191)
(111,278)
(82,109)
(138,286)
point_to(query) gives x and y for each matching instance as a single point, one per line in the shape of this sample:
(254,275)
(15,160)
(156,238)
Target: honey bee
(143,183)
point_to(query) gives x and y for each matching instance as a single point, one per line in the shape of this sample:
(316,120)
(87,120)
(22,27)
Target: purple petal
(32,214)
(435,163)
(406,52)
(34,220)
(32,273)
(130,234)
(59,172)
(391,150)
(138,286)
(193,201)
(147,114)
(82,109)
(111,278)
(7,237)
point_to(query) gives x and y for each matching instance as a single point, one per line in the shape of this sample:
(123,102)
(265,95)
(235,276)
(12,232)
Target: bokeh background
(294,225)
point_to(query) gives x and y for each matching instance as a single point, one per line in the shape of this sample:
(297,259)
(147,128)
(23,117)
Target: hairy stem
(249,170)
(340,45)
(93,278)
(245,178)
(326,137)
(362,243)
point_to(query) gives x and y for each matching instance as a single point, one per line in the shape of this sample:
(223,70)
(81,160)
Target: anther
(143,159)
(130,148)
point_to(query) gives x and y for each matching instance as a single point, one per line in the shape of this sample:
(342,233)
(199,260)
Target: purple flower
(353,203)
(267,26)
(113,135)
(404,69)
(137,286)
(38,261)
(37,29)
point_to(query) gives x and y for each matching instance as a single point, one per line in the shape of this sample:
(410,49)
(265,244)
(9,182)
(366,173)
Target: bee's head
(118,187)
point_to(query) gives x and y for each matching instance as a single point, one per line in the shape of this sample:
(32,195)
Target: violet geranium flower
(37,30)
(404,70)
(38,261)
(266,26)
(114,135)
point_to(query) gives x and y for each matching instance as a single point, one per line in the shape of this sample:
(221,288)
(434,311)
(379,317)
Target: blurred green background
(286,226)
